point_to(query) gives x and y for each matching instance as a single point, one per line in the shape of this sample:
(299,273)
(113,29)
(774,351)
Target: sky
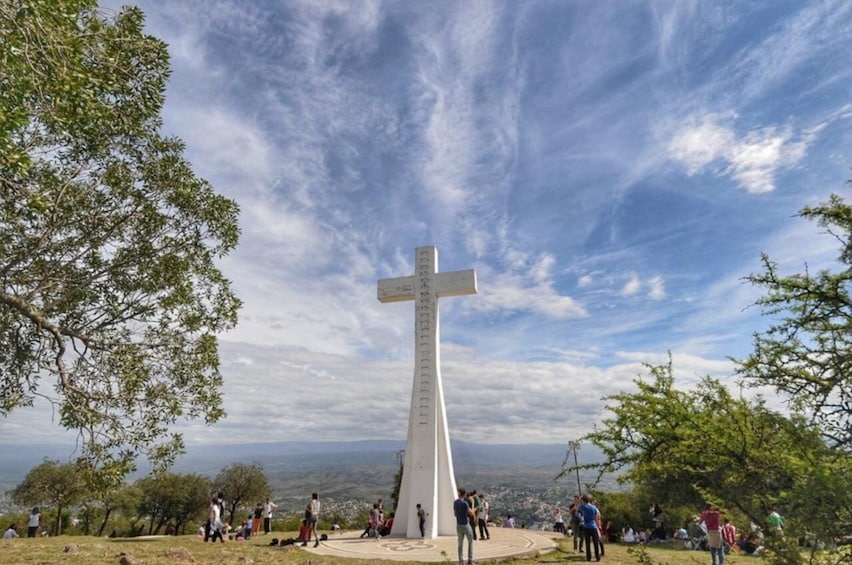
(611,170)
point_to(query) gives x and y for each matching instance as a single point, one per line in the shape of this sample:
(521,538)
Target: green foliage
(51,484)
(178,498)
(806,355)
(107,238)
(705,445)
(243,486)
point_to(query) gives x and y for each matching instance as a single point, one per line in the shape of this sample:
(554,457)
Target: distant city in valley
(518,479)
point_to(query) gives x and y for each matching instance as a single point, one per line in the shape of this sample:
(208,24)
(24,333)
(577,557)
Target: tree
(806,354)
(688,447)
(51,484)
(107,238)
(173,497)
(242,485)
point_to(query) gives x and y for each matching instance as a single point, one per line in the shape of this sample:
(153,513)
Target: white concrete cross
(427,476)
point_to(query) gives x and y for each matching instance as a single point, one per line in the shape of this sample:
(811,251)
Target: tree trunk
(104,523)
(58,528)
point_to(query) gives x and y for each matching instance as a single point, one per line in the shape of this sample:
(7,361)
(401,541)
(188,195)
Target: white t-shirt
(34,519)
(10,533)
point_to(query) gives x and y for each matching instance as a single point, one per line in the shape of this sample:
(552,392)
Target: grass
(70,550)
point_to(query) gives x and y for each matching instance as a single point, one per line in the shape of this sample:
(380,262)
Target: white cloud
(657,290)
(632,286)
(753,159)
(585,281)
(700,144)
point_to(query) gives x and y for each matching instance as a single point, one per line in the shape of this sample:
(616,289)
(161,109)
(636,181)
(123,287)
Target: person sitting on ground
(748,544)
(385,529)
(12,532)
(628,535)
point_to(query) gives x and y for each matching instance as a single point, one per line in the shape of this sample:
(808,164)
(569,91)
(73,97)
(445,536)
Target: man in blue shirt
(589,514)
(462,511)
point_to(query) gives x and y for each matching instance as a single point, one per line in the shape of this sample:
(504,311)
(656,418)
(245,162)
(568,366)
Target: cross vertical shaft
(428,478)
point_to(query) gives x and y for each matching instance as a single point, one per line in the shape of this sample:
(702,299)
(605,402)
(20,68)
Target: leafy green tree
(243,486)
(180,498)
(51,484)
(806,354)
(688,447)
(108,240)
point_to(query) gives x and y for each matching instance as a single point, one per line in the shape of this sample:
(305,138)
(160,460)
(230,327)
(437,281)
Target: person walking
(710,517)
(268,509)
(462,512)
(311,517)
(215,518)
(591,536)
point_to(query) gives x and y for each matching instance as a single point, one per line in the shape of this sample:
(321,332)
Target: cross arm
(456,283)
(396,290)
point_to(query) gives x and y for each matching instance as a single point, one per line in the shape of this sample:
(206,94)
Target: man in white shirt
(268,509)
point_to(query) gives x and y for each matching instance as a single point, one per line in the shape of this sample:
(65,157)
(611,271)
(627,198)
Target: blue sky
(612,170)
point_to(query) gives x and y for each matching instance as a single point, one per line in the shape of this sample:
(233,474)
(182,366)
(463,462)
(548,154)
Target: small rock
(127,560)
(71,548)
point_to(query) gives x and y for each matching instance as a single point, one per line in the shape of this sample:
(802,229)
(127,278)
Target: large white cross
(427,476)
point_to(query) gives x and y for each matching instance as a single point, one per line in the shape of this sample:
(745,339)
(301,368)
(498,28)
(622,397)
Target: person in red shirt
(729,533)
(710,517)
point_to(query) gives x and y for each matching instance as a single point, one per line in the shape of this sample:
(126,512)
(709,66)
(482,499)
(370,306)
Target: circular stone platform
(504,543)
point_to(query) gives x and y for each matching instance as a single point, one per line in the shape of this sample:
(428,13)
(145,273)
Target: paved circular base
(504,543)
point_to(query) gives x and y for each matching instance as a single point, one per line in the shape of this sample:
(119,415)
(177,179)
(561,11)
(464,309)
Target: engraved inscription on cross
(428,476)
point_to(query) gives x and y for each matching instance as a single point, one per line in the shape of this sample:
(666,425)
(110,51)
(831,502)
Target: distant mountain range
(209,459)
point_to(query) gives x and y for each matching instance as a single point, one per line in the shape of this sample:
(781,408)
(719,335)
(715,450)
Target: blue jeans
(465,531)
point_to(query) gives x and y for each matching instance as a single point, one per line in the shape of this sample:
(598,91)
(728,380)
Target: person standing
(729,533)
(776,522)
(576,523)
(311,517)
(268,509)
(421,520)
(659,527)
(463,512)
(256,519)
(33,523)
(710,517)
(558,522)
(473,502)
(591,537)
(483,518)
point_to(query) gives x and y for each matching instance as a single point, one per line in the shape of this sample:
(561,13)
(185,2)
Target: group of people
(471,511)
(33,524)
(216,528)
(377,525)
